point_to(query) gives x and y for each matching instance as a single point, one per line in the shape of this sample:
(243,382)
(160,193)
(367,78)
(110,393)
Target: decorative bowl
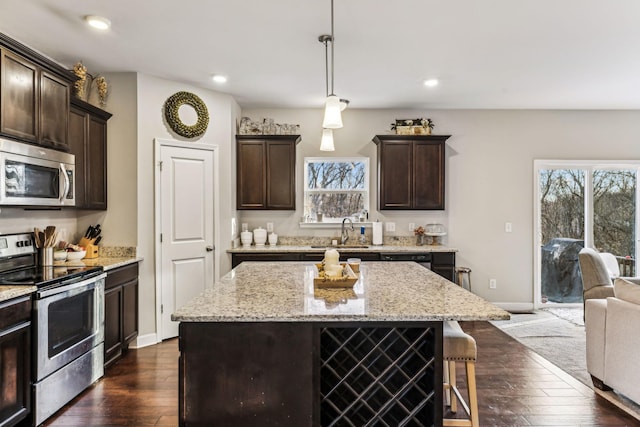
(76,255)
(59,255)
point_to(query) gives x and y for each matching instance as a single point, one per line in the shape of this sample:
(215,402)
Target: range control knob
(20,243)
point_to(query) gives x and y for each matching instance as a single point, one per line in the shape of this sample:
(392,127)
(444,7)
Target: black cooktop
(47,276)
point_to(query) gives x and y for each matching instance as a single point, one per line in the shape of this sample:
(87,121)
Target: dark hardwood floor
(516,387)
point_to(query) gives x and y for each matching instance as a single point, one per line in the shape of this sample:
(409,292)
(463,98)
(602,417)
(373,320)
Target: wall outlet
(492,283)
(390,226)
(412,226)
(507,227)
(270,227)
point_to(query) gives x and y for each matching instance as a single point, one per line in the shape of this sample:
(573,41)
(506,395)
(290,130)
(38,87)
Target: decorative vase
(420,239)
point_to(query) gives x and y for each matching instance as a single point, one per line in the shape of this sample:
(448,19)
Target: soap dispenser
(362,238)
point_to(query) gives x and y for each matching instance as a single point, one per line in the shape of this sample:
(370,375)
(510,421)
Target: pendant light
(326,144)
(333,104)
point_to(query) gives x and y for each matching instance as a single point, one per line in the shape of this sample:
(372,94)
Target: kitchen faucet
(344,234)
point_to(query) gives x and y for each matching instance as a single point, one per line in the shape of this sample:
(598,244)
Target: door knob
(209,248)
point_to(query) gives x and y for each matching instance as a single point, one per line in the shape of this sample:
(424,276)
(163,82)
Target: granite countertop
(15,291)
(284,292)
(108,263)
(355,248)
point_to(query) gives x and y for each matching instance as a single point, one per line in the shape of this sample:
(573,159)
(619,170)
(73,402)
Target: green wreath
(173,104)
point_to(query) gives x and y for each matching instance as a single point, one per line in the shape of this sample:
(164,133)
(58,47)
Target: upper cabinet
(411,172)
(34,97)
(266,172)
(88,142)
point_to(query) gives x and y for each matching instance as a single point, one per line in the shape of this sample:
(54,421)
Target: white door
(187,228)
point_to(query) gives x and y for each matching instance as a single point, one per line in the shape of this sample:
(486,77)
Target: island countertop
(385,292)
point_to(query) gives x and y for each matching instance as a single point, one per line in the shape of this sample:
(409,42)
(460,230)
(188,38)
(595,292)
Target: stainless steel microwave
(35,176)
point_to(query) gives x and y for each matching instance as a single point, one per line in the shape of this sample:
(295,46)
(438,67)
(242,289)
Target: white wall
(489,177)
(152,92)
(118,221)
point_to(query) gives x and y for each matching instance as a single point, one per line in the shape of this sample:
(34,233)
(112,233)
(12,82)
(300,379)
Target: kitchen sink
(339,246)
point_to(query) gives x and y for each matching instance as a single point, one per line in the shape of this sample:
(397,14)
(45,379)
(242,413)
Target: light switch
(270,227)
(390,226)
(412,226)
(507,227)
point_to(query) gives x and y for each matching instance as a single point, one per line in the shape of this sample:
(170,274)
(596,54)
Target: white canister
(260,236)
(331,257)
(273,239)
(246,238)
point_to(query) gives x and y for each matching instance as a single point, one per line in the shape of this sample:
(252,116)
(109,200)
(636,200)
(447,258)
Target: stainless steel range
(68,321)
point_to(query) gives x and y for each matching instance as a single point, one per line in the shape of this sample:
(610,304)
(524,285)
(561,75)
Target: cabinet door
(19,101)
(129,311)
(54,112)
(15,373)
(112,324)
(77,138)
(428,185)
(96,164)
(251,175)
(281,184)
(395,174)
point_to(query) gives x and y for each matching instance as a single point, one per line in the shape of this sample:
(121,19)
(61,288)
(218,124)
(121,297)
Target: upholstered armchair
(597,279)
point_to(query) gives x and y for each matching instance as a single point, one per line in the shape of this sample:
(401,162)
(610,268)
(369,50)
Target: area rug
(557,334)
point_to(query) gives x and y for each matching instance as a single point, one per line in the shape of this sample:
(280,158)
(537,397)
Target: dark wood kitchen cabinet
(34,97)
(411,172)
(266,169)
(15,360)
(120,311)
(88,142)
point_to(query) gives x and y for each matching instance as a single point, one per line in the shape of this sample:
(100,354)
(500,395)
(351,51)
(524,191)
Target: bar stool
(457,346)
(461,272)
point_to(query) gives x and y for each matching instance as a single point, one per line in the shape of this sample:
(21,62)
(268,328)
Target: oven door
(69,323)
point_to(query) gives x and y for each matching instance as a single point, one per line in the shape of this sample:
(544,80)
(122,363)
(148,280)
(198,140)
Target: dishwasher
(421,258)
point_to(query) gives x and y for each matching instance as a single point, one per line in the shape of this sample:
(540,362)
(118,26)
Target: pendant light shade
(332,116)
(326,144)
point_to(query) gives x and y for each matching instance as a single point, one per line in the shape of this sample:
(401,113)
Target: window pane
(336,175)
(562,204)
(335,205)
(614,216)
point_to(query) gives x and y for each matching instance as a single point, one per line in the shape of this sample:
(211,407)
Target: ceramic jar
(245,238)
(260,236)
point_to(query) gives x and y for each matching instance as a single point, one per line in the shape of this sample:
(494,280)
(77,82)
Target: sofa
(612,327)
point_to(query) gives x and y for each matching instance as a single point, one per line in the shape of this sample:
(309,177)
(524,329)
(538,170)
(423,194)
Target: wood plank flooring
(516,387)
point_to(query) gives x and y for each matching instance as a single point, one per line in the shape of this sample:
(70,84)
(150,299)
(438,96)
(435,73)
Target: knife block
(87,244)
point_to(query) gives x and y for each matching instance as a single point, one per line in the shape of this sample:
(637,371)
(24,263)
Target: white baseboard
(145,341)
(516,307)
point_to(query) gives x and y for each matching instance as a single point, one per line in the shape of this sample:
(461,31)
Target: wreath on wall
(173,104)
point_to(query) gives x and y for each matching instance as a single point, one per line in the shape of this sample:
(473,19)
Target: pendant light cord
(332,41)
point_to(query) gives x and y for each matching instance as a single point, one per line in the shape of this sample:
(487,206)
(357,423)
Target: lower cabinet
(443,263)
(120,311)
(15,360)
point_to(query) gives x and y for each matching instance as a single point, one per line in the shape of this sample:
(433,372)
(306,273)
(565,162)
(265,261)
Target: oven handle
(87,284)
(67,184)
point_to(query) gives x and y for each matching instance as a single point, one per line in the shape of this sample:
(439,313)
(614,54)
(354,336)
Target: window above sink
(335,188)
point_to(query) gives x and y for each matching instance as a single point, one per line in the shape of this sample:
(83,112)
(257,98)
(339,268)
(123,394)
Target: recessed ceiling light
(98,22)
(219,78)
(431,82)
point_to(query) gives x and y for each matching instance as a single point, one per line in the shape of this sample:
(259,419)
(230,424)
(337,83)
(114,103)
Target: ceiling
(539,54)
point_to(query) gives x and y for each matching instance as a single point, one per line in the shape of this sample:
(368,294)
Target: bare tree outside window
(336,187)
(562,205)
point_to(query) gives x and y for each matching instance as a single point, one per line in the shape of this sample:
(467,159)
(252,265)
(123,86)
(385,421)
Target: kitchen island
(264,347)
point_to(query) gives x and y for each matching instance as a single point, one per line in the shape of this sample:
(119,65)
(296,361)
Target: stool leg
(469,279)
(447,387)
(452,382)
(473,395)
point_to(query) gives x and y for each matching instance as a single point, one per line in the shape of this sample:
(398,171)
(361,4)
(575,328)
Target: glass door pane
(562,233)
(614,216)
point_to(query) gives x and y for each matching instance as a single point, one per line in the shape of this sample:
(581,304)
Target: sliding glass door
(582,204)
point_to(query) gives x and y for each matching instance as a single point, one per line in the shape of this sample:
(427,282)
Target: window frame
(306,190)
